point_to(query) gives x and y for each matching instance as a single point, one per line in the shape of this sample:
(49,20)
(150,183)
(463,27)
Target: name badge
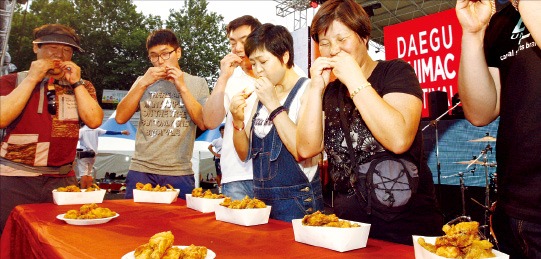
(68,108)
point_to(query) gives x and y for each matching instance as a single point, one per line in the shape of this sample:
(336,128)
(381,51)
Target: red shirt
(42,139)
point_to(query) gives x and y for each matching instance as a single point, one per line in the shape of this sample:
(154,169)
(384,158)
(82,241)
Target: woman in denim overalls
(292,188)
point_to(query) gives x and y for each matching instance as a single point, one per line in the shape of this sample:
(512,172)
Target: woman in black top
(382,104)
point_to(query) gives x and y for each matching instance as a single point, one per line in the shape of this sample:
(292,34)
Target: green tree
(202,37)
(113,35)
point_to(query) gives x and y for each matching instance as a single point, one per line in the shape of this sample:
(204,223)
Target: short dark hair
(221,127)
(241,21)
(162,37)
(348,12)
(276,39)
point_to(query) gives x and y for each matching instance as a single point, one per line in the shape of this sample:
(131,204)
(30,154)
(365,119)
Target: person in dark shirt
(499,75)
(381,103)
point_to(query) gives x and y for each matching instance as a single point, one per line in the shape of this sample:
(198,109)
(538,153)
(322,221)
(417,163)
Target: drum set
(490,179)
(490,184)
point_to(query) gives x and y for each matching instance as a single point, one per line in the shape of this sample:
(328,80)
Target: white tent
(115,151)
(115,145)
(202,163)
(114,154)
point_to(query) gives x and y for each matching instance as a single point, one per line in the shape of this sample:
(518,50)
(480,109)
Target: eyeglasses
(164,56)
(51,101)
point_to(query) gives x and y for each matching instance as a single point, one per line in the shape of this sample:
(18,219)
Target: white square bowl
(166,197)
(337,239)
(422,253)
(202,204)
(243,217)
(83,197)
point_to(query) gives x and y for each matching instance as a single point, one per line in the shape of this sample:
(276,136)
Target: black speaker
(437,104)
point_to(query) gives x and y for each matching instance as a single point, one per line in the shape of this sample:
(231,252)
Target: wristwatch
(78,83)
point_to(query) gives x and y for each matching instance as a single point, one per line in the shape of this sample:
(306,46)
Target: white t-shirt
(234,169)
(262,126)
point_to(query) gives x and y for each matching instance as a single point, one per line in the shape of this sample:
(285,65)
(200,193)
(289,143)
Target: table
(32,231)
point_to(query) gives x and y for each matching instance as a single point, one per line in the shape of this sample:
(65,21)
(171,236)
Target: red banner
(431,45)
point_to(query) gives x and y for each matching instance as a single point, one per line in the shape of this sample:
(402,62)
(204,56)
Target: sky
(264,10)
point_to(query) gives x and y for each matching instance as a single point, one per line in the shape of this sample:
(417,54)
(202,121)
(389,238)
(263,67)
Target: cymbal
(484,139)
(476,163)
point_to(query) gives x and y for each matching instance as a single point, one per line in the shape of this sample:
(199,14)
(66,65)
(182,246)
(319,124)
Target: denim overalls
(278,179)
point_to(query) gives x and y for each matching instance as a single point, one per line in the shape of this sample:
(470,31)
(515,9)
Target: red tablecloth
(32,231)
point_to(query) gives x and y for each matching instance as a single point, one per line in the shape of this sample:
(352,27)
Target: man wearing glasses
(170,103)
(40,110)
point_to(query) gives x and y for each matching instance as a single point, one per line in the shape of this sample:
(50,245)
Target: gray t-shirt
(166,134)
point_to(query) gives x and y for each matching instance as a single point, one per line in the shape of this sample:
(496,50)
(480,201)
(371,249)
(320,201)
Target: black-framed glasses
(164,56)
(51,101)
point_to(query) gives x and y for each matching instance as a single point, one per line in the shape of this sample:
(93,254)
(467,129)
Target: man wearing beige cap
(40,110)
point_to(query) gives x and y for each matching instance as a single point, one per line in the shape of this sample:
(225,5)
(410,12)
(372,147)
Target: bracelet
(238,128)
(275,113)
(359,89)
(515,4)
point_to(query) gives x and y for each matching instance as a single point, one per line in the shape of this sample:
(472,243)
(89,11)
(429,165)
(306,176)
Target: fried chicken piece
(342,224)
(173,253)
(470,228)
(235,204)
(147,187)
(89,211)
(460,241)
(461,235)
(448,251)
(159,188)
(245,203)
(92,188)
(143,252)
(197,192)
(160,246)
(103,213)
(226,202)
(256,204)
(207,194)
(427,246)
(194,252)
(71,214)
(318,219)
(479,249)
(160,242)
(69,188)
(86,208)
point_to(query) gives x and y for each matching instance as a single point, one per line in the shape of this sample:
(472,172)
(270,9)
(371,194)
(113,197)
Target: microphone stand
(484,155)
(438,165)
